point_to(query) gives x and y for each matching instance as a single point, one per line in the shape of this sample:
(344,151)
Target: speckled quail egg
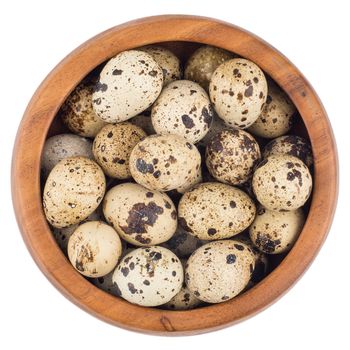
(139,215)
(63,146)
(276,118)
(231,156)
(203,62)
(182,243)
(238,91)
(149,276)
(112,148)
(183,108)
(291,145)
(63,234)
(192,181)
(282,182)
(73,190)
(164,162)
(220,270)
(129,83)
(94,249)
(217,126)
(275,232)
(77,112)
(169,63)
(184,300)
(144,122)
(213,210)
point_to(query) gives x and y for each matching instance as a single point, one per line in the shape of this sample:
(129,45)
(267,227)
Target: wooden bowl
(182,34)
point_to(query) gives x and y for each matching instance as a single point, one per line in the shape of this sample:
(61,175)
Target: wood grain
(41,112)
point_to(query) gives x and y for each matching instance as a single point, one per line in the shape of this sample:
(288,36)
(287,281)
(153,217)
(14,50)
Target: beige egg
(129,83)
(213,210)
(164,162)
(217,126)
(183,108)
(144,122)
(140,216)
(220,270)
(183,300)
(73,190)
(231,156)
(238,91)
(191,182)
(276,118)
(282,182)
(63,234)
(182,243)
(275,232)
(94,249)
(149,276)
(112,148)
(290,145)
(63,146)
(78,114)
(169,63)
(203,62)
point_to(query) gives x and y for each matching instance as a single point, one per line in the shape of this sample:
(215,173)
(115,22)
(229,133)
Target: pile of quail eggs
(175,187)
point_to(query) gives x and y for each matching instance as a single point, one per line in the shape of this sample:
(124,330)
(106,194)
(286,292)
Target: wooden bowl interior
(183,50)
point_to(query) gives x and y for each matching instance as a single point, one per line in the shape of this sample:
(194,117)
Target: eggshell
(290,145)
(129,83)
(63,146)
(169,63)
(212,211)
(149,276)
(140,216)
(231,156)
(276,118)
(238,91)
(73,190)
(164,162)
(203,62)
(112,148)
(183,108)
(94,249)
(78,114)
(282,182)
(220,270)
(275,232)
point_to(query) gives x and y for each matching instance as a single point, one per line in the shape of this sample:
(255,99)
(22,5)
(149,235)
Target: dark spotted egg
(141,217)
(183,108)
(149,276)
(238,91)
(220,270)
(282,182)
(128,84)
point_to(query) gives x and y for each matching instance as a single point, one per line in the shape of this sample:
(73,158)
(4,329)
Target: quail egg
(220,270)
(94,249)
(183,108)
(282,182)
(140,216)
(217,126)
(112,148)
(129,83)
(78,114)
(276,118)
(203,62)
(275,232)
(291,145)
(164,162)
(231,156)
(73,190)
(63,146)
(213,210)
(238,91)
(166,60)
(149,276)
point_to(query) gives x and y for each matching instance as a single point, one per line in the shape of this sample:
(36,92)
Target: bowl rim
(41,110)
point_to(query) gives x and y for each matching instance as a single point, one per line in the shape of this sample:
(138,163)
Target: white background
(35,35)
